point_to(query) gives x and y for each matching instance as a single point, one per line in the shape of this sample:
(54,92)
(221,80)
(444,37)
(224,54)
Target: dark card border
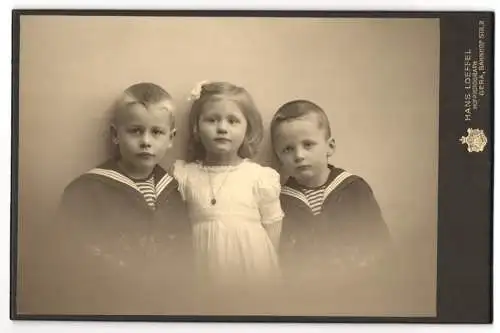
(465,196)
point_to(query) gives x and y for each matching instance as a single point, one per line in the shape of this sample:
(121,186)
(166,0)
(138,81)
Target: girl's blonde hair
(208,92)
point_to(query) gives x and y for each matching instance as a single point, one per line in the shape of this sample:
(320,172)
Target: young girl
(125,218)
(233,203)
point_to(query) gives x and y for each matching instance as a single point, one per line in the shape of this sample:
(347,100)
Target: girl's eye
(287,150)
(233,121)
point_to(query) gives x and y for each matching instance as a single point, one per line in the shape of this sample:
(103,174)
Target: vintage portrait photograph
(227,165)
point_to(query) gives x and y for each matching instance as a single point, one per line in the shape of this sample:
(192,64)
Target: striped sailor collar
(110,170)
(293,189)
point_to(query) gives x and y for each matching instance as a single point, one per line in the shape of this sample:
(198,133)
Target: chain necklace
(213,201)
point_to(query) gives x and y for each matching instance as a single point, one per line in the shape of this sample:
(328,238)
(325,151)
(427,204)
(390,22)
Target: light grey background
(376,78)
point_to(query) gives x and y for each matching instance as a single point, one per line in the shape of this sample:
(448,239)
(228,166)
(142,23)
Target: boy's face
(143,137)
(303,149)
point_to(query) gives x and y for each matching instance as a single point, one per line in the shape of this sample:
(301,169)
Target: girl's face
(222,127)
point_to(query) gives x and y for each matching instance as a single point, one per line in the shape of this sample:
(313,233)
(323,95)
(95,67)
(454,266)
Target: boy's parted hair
(297,109)
(214,91)
(144,93)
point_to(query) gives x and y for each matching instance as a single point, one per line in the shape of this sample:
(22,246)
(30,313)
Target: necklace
(213,201)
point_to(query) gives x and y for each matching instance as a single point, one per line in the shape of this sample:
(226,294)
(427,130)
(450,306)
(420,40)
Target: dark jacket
(348,235)
(121,252)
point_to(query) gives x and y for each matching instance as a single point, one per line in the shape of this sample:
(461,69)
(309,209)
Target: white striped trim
(115,176)
(295,193)
(162,184)
(336,182)
(147,190)
(316,198)
(286,190)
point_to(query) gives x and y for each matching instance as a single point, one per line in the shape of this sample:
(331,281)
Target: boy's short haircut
(298,109)
(144,93)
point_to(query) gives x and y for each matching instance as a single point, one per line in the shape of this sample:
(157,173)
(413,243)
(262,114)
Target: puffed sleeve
(268,190)
(179,172)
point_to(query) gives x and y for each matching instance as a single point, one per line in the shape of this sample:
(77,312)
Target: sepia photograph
(183,166)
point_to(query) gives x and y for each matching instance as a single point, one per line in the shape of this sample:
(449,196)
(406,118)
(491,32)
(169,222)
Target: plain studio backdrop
(377,79)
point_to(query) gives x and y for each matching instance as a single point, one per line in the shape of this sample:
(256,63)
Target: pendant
(213,201)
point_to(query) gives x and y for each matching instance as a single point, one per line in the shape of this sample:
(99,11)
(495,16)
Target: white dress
(231,244)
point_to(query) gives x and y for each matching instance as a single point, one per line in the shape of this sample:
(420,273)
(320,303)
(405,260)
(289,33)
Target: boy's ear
(172,135)
(331,147)
(114,134)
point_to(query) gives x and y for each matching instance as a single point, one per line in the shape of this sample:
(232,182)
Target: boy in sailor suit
(125,219)
(333,226)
